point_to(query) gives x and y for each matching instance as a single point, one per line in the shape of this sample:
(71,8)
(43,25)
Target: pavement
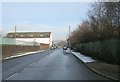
(23,54)
(102,68)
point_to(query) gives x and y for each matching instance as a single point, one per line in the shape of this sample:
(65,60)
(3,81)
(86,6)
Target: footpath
(22,54)
(102,68)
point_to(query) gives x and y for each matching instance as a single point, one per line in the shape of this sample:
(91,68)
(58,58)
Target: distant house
(42,38)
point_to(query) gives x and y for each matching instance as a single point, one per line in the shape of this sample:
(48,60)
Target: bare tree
(103,23)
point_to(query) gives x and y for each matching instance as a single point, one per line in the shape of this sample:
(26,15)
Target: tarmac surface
(48,65)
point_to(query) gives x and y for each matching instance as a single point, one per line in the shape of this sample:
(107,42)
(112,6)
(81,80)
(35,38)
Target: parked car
(52,48)
(64,48)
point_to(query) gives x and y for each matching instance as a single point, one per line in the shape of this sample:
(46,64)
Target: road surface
(48,65)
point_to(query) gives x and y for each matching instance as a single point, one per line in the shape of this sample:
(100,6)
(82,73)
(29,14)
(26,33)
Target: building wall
(44,46)
(38,40)
(51,39)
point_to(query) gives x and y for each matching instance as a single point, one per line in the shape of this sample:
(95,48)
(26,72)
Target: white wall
(51,39)
(38,40)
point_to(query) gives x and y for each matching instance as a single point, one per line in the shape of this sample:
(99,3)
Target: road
(48,65)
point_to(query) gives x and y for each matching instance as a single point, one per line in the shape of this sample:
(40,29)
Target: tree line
(103,23)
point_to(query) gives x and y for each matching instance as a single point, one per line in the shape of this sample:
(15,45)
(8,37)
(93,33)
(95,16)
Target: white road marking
(23,54)
(11,76)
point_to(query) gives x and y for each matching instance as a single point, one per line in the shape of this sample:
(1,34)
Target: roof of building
(29,35)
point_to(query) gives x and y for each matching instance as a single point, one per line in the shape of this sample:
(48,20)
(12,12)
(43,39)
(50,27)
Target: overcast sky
(55,17)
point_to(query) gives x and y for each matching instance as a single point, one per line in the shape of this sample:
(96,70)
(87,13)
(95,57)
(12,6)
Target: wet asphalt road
(48,65)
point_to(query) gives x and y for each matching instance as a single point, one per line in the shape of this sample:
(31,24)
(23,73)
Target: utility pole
(15,34)
(69,30)
(69,38)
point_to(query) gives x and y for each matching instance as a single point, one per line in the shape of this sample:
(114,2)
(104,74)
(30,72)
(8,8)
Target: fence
(107,50)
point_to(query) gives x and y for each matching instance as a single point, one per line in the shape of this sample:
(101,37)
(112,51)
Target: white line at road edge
(23,54)
(11,76)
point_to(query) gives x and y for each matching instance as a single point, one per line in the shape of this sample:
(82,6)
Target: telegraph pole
(69,30)
(69,38)
(15,34)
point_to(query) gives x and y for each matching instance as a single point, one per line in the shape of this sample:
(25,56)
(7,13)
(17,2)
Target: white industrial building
(44,39)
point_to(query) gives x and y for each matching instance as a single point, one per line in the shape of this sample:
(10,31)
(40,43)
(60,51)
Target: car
(64,48)
(52,48)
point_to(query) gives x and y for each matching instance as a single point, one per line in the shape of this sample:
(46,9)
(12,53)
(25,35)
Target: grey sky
(43,16)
